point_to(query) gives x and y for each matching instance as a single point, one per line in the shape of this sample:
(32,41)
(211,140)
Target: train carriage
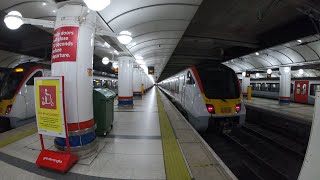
(17,106)
(302,90)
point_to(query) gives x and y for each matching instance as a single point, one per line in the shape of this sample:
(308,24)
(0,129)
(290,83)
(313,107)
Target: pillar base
(137,95)
(82,151)
(125,101)
(284,100)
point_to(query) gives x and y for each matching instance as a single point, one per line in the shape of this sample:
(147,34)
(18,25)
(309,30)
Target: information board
(49,106)
(64,46)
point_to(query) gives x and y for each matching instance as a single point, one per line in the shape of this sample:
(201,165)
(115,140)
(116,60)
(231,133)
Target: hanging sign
(49,107)
(64,46)
(151,70)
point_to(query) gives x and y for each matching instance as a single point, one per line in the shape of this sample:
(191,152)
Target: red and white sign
(64,46)
(48,98)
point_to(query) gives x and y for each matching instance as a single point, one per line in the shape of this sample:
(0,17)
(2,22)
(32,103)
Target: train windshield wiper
(223,100)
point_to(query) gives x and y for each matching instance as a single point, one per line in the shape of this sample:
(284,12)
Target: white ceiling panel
(152,42)
(148,14)
(153,47)
(119,7)
(292,55)
(308,53)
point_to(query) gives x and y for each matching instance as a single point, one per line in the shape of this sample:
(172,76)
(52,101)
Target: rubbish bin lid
(109,94)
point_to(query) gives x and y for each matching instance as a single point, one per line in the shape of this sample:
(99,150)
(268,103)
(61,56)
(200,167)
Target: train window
(304,89)
(219,83)
(257,87)
(31,80)
(190,79)
(274,87)
(314,88)
(184,80)
(291,89)
(177,86)
(265,87)
(298,88)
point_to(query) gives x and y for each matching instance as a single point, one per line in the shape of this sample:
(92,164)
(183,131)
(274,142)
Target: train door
(189,92)
(183,90)
(301,91)
(29,94)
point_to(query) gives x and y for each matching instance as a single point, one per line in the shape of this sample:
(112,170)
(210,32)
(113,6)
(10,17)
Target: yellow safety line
(174,162)
(17,137)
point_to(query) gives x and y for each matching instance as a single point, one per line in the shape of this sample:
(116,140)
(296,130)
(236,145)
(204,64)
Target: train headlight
(8,110)
(238,108)
(210,108)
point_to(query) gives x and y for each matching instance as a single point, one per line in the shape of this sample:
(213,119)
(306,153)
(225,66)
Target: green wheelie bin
(103,100)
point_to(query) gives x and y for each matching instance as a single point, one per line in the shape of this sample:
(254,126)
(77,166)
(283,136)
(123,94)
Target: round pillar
(285,85)
(137,83)
(125,93)
(244,85)
(72,57)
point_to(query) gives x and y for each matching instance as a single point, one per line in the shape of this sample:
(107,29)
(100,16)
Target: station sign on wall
(151,70)
(49,106)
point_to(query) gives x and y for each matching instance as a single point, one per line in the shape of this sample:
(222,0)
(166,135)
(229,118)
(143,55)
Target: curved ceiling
(156,26)
(293,53)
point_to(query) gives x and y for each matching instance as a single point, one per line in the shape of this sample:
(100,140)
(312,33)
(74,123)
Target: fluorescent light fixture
(124,37)
(243,74)
(300,71)
(106,44)
(138,57)
(105,60)
(257,53)
(97,5)
(269,71)
(286,69)
(299,41)
(115,65)
(13,20)
(139,61)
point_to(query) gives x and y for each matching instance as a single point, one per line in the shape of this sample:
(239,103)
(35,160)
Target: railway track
(255,152)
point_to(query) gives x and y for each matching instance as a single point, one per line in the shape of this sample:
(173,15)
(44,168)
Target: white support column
(136,83)
(72,56)
(244,85)
(311,163)
(125,93)
(285,85)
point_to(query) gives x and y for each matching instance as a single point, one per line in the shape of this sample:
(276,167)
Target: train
(302,90)
(209,95)
(17,106)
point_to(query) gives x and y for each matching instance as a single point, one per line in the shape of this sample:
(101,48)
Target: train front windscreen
(219,83)
(10,83)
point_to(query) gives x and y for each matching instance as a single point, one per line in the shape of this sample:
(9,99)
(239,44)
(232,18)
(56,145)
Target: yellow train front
(210,96)
(17,94)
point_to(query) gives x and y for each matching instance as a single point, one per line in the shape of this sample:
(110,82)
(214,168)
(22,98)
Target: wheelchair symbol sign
(48,97)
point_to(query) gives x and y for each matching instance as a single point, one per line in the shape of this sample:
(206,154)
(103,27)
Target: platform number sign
(151,70)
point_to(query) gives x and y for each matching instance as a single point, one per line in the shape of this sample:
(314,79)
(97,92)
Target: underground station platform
(152,140)
(161,89)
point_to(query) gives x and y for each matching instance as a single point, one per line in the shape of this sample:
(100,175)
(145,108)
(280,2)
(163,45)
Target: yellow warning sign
(49,106)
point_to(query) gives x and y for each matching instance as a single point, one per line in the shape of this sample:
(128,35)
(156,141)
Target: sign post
(51,121)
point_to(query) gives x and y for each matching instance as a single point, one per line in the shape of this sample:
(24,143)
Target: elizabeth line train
(210,96)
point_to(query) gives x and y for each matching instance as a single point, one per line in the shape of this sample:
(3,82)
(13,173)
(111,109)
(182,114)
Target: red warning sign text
(64,46)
